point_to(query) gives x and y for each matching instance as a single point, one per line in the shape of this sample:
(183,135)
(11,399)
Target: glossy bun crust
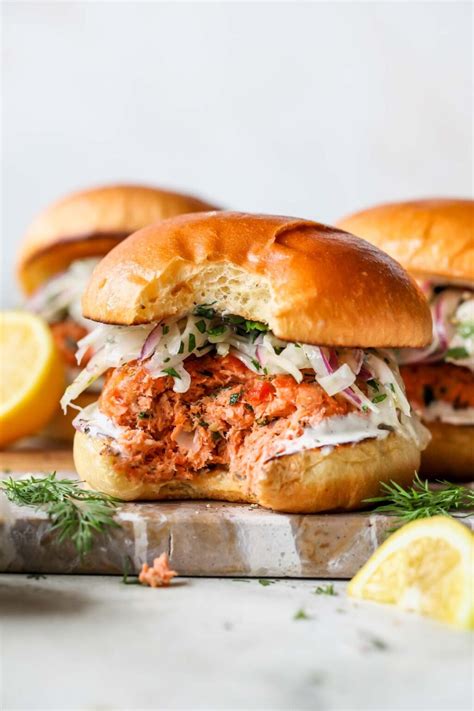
(90,223)
(450,454)
(433,238)
(308,282)
(306,482)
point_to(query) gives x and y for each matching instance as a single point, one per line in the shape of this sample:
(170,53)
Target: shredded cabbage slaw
(164,347)
(453,328)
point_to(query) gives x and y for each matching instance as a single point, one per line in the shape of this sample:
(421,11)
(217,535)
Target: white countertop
(94,643)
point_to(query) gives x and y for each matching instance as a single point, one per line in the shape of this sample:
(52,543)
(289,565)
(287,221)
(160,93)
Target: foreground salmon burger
(246,361)
(66,241)
(434,240)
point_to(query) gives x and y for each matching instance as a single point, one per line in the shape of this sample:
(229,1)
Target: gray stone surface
(202,539)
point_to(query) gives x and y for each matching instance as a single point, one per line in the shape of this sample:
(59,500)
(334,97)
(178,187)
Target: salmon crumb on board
(159,575)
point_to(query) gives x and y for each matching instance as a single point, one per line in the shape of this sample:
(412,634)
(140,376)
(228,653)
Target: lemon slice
(31,375)
(427,567)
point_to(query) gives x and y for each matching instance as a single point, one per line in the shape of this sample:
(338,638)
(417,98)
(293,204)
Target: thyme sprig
(76,514)
(422,501)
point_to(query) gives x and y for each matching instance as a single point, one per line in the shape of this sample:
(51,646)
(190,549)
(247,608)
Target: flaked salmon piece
(230,416)
(159,575)
(427,382)
(66,334)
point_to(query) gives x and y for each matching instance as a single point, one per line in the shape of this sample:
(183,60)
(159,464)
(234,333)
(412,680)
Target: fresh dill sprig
(76,514)
(422,501)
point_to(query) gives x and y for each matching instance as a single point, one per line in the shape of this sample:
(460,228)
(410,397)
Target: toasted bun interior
(450,454)
(306,482)
(431,238)
(308,282)
(89,223)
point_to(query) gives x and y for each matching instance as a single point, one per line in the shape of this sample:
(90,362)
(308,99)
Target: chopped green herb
(235,397)
(365,408)
(457,353)
(379,398)
(373,384)
(255,326)
(165,328)
(36,576)
(191,342)
(392,387)
(205,310)
(265,582)
(325,590)
(144,415)
(172,372)
(201,326)
(301,615)
(181,347)
(278,349)
(248,406)
(216,331)
(256,364)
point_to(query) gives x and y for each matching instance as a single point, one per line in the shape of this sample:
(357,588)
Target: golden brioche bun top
(89,223)
(433,238)
(308,282)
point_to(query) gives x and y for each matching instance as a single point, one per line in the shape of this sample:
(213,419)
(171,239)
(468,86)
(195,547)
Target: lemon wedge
(31,375)
(427,566)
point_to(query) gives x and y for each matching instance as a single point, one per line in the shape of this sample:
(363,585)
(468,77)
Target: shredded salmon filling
(229,416)
(66,334)
(427,383)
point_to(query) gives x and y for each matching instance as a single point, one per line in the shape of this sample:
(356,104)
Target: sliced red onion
(151,342)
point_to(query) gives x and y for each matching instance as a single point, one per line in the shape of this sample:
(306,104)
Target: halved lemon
(31,375)
(427,566)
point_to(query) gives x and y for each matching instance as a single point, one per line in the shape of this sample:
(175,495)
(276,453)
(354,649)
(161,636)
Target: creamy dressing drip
(444,412)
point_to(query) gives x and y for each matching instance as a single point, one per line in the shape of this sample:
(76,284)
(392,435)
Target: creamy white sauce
(93,422)
(350,429)
(445,412)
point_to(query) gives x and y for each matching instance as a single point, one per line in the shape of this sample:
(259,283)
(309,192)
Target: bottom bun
(60,427)
(450,454)
(306,482)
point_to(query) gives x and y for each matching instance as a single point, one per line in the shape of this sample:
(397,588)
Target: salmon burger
(434,240)
(67,240)
(247,358)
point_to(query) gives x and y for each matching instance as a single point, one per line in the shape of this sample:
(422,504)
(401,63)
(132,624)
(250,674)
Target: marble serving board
(201,538)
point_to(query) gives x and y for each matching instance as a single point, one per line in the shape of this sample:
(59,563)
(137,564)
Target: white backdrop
(312,109)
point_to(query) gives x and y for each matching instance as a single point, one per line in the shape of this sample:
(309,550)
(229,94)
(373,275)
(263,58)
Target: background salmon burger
(434,240)
(65,242)
(246,360)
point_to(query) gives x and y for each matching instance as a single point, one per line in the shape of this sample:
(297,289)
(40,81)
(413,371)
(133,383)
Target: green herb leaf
(373,384)
(172,372)
(205,310)
(256,364)
(217,330)
(421,500)
(201,326)
(191,342)
(144,415)
(379,398)
(265,582)
(301,615)
(325,590)
(76,514)
(165,328)
(181,348)
(235,397)
(457,353)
